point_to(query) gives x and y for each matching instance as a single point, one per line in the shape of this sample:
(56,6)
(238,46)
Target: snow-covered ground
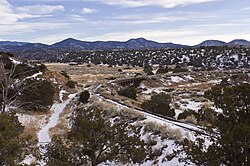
(34,75)
(57,108)
(176,79)
(15,61)
(190,105)
(185,128)
(168,144)
(43,135)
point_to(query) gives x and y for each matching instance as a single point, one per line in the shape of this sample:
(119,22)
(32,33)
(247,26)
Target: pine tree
(93,140)
(159,104)
(233,144)
(11,142)
(84,96)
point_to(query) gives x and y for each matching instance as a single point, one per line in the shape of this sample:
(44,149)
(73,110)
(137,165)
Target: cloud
(158,35)
(88,10)
(7,14)
(41,9)
(20,28)
(141,3)
(13,21)
(51,39)
(245,8)
(145,18)
(181,36)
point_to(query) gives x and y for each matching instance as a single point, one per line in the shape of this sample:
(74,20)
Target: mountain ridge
(131,44)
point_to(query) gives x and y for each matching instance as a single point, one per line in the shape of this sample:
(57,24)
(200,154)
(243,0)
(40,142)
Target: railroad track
(185,126)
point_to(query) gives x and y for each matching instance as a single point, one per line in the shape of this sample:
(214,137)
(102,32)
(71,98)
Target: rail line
(185,126)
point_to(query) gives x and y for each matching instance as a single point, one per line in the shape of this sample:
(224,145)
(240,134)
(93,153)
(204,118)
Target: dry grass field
(85,74)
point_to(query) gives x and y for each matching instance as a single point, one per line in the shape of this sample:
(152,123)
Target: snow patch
(189,77)
(28,160)
(15,61)
(34,75)
(57,109)
(176,79)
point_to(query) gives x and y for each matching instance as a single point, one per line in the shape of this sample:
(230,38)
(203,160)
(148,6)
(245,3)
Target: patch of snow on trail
(61,95)
(57,108)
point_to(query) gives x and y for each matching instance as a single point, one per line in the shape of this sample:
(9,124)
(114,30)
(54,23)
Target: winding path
(57,108)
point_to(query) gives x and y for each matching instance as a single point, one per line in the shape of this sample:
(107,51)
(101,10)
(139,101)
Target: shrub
(164,131)
(18,70)
(84,96)
(131,115)
(64,73)
(42,67)
(162,70)
(38,95)
(185,114)
(91,134)
(159,104)
(207,115)
(179,69)
(129,92)
(71,84)
(190,119)
(24,70)
(147,69)
(11,142)
(6,60)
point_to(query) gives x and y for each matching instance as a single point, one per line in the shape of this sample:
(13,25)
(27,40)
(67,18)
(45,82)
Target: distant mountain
(12,43)
(139,43)
(209,43)
(216,43)
(39,50)
(239,42)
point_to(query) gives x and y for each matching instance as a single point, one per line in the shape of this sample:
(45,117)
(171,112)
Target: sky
(178,21)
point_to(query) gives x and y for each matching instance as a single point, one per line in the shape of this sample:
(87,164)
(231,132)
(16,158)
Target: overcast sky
(179,21)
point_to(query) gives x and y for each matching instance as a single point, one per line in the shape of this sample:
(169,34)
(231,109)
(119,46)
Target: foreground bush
(11,143)
(93,140)
(233,125)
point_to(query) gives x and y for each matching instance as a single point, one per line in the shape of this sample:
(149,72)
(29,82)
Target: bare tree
(10,87)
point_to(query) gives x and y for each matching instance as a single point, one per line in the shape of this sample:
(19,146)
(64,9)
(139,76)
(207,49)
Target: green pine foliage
(11,142)
(42,67)
(232,146)
(84,96)
(65,74)
(129,92)
(71,84)
(38,97)
(186,113)
(148,70)
(159,104)
(162,70)
(93,140)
